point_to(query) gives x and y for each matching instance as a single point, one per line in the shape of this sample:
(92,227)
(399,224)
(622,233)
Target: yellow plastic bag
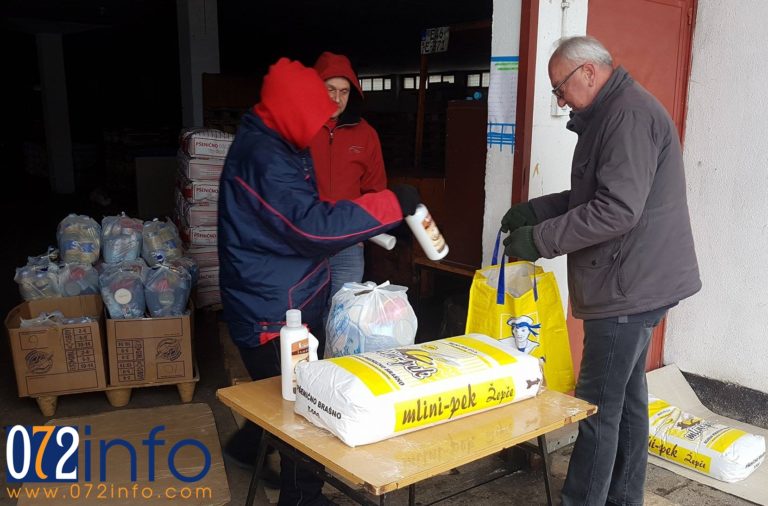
(524,307)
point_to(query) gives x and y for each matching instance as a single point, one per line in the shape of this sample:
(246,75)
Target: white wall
(552,145)
(722,332)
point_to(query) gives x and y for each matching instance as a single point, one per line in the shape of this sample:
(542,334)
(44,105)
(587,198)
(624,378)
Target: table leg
(545,459)
(256,476)
(412,494)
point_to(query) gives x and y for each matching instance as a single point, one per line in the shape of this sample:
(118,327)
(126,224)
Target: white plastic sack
(369,317)
(377,395)
(713,449)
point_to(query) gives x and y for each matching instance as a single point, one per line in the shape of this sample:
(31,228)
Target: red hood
(294,102)
(330,65)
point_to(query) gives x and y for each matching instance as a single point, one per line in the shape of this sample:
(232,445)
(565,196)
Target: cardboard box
(150,350)
(177,426)
(198,190)
(207,143)
(205,169)
(62,359)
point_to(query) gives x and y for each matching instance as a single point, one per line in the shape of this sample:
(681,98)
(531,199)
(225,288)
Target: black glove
(519,215)
(520,244)
(407,197)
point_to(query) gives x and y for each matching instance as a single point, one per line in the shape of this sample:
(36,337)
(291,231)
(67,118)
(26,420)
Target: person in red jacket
(347,157)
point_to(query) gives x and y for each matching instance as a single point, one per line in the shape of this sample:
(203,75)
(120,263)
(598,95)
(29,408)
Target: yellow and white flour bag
(713,449)
(380,394)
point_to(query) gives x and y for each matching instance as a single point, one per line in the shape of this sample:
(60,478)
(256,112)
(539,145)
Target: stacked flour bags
(136,266)
(202,152)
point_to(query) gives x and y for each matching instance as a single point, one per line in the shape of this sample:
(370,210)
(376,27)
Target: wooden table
(402,461)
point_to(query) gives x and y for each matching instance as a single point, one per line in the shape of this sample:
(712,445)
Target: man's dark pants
(298,486)
(611,452)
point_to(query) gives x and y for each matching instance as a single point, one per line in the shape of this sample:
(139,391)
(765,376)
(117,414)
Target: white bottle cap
(293,318)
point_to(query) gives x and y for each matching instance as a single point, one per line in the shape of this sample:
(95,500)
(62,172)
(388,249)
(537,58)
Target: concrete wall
(720,333)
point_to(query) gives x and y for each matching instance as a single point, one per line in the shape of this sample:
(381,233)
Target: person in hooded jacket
(275,236)
(625,227)
(347,157)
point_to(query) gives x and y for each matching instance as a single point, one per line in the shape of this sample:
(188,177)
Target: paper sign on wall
(435,40)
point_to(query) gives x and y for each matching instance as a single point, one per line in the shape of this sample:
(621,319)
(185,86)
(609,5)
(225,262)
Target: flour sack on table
(377,395)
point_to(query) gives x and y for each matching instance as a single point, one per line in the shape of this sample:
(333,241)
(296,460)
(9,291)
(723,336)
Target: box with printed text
(150,350)
(58,359)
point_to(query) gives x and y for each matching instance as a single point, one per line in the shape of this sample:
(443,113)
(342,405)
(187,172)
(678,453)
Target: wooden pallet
(119,396)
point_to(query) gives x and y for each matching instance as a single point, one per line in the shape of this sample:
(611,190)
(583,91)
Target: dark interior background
(122,75)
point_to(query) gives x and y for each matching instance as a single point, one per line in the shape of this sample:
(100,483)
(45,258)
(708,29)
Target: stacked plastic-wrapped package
(201,159)
(69,270)
(143,270)
(149,274)
(39,279)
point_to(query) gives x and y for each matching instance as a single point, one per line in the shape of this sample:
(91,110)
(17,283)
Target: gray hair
(582,49)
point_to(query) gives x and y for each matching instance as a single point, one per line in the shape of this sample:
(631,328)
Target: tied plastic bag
(365,317)
(160,242)
(78,279)
(79,239)
(38,280)
(166,290)
(122,289)
(186,263)
(121,238)
(53,319)
(44,319)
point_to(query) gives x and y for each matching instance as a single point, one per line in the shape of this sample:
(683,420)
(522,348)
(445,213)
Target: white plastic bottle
(426,232)
(386,241)
(296,345)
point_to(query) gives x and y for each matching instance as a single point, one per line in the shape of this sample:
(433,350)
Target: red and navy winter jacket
(346,152)
(275,234)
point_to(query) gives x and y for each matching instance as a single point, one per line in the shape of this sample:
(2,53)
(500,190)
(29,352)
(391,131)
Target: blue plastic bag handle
(500,287)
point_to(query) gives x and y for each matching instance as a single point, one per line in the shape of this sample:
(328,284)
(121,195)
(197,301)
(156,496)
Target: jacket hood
(330,65)
(294,102)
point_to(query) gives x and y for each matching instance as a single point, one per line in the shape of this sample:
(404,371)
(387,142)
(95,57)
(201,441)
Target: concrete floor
(522,487)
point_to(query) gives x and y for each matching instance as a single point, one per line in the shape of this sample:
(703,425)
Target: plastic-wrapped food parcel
(716,450)
(377,395)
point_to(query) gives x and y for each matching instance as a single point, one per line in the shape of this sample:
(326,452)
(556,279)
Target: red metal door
(652,40)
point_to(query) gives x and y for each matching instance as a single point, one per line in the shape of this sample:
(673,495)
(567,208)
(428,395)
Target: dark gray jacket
(624,223)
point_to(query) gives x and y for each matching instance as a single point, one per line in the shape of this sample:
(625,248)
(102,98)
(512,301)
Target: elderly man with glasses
(625,227)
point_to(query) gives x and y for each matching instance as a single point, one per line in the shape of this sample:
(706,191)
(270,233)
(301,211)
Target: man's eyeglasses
(556,91)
